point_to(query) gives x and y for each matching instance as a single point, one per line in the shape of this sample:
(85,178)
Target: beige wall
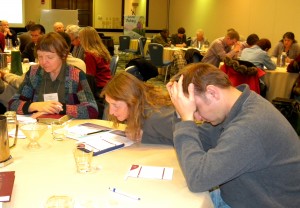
(267,18)
(33,9)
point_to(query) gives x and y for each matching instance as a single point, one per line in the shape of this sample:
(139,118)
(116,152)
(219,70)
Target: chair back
(113,64)
(156,54)
(142,43)
(188,41)
(134,70)
(239,73)
(124,42)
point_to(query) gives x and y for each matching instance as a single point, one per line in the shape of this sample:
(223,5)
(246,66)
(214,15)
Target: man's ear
(212,92)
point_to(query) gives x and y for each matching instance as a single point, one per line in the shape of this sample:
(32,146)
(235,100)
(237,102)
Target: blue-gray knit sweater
(254,155)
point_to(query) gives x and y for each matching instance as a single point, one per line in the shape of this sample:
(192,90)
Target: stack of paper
(99,139)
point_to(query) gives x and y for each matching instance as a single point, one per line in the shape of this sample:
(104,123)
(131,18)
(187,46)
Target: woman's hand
(185,104)
(48,107)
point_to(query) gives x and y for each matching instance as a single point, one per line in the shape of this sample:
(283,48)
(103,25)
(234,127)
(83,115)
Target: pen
(124,194)
(95,132)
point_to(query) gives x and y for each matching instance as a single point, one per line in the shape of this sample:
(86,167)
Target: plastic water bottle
(281,59)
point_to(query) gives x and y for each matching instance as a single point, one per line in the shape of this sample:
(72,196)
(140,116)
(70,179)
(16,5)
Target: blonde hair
(139,96)
(91,42)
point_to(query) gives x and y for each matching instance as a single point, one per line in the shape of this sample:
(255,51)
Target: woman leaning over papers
(53,86)
(146,109)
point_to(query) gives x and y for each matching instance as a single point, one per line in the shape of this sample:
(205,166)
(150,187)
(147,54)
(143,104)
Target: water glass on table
(12,123)
(83,159)
(60,202)
(59,131)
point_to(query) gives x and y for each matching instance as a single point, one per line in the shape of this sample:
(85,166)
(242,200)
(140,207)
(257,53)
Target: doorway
(85,9)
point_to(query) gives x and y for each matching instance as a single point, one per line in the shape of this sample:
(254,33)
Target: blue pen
(124,194)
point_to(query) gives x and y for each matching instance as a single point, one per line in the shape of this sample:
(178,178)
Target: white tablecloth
(51,171)
(279,83)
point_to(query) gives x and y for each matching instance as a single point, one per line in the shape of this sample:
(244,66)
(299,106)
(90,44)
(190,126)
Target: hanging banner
(134,26)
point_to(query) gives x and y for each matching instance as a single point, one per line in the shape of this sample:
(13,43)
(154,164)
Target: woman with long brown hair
(96,57)
(146,109)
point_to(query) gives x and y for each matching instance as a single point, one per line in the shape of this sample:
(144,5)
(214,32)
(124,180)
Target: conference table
(169,51)
(51,170)
(279,83)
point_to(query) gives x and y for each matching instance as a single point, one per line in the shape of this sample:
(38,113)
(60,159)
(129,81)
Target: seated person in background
(146,109)
(2,42)
(289,45)
(222,47)
(8,33)
(2,87)
(77,50)
(162,38)
(251,40)
(36,31)
(25,37)
(245,145)
(58,27)
(199,40)
(96,57)
(78,63)
(179,39)
(258,54)
(53,86)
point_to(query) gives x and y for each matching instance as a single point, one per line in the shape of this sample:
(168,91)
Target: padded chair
(124,44)
(142,43)
(188,41)
(124,41)
(156,55)
(134,70)
(99,101)
(113,64)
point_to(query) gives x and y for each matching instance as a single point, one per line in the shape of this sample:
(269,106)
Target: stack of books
(7,180)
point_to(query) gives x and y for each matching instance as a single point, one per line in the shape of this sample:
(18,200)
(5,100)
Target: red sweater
(237,78)
(2,42)
(97,67)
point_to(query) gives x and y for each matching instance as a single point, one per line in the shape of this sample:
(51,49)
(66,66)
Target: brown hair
(53,42)
(202,75)
(91,42)
(139,96)
(232,34)
(264,44)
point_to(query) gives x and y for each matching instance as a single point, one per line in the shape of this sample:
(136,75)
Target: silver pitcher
(3,60)
(4,141)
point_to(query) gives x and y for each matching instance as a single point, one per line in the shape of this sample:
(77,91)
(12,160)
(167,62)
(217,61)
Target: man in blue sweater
(245,146)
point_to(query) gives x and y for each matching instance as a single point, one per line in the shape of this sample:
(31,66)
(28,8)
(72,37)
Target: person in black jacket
(35,31)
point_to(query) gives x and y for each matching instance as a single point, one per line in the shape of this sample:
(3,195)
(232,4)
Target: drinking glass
(33,132)
(60,202)
(12,123)
(83,159)
(59,130)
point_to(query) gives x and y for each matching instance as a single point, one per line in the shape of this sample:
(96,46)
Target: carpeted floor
(159,80)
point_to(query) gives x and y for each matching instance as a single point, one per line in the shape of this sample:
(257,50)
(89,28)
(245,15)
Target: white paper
(151,172)
(20,134)
(105,140)
(84,129)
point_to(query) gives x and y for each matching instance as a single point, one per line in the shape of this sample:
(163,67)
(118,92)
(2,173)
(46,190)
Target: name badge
(51,97)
